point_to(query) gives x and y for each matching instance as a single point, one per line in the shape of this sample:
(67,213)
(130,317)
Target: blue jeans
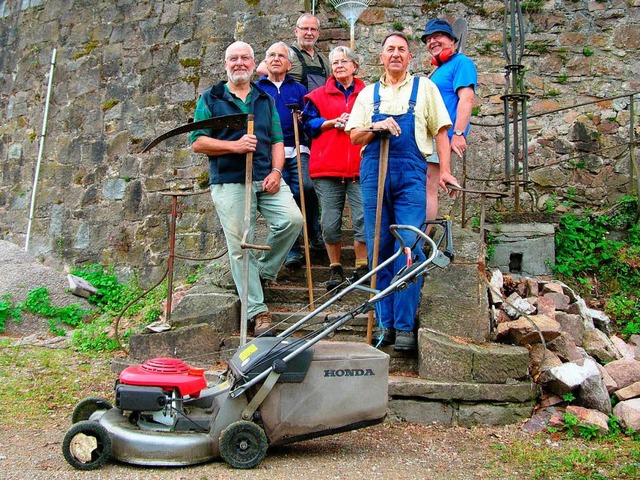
(285,222)
(311,203)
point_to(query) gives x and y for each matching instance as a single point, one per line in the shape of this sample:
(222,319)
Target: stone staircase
(456,377)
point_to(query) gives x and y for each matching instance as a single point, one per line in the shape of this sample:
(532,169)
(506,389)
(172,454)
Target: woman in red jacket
(334,164)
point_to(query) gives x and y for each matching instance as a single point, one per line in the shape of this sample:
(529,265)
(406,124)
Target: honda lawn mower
(276,390)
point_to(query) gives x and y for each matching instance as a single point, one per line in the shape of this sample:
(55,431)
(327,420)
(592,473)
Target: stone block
(446,358)
(498,363)
(197,345)
(524,249)
(441,357)
(421,412)
(470,415)
(218,308)
(455,302)
(411,387)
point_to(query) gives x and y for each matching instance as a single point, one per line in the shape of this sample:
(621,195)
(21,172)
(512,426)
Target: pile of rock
(571,352)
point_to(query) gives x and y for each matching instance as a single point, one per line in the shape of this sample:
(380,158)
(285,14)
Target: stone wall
(128,70)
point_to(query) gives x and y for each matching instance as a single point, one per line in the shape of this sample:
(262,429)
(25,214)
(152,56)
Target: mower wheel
(243,444)
(86,445)
(88,406)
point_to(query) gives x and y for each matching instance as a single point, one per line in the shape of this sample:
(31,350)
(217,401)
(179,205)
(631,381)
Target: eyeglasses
(308,29)
(435,36)
(341,62)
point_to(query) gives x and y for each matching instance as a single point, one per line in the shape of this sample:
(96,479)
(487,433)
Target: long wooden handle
(382,175)
(248,178)
(305,229)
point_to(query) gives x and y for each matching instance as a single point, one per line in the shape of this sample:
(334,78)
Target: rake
(351,10)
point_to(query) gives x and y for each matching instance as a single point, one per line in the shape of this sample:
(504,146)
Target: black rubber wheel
(86,407)
(86,446)
(243,444)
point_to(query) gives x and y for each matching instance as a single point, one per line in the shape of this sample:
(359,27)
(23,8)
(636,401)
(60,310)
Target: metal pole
(40,150)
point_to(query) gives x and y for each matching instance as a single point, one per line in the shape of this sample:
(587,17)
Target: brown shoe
(262,323)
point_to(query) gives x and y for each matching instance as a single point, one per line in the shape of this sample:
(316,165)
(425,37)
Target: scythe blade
(235,122)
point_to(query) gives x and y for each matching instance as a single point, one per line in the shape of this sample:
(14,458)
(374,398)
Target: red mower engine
(156,383)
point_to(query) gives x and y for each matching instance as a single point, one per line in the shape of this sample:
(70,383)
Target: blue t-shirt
(457,73)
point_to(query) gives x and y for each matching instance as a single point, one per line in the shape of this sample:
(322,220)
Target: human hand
(271,184)
(446,180)
(341,121)
(246,143)
(388,124)
(458,145)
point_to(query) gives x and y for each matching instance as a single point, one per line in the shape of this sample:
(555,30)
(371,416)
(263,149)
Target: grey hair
(236,44)
(307,15)
(280,44)
(348,53)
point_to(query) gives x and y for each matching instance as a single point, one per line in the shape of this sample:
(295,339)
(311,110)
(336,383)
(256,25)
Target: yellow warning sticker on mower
(247,352)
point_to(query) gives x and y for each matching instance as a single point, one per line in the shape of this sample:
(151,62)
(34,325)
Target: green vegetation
(570,460)
(92,329)
(41,385)
(8,311)
(602,266)
(86,50)
(587,51)
(397,26)
(532,6)
(190,62)
(109,104)
(538,46)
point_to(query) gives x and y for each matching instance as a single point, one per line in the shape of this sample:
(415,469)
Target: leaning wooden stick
(248,181)
(382,175)
(305,229)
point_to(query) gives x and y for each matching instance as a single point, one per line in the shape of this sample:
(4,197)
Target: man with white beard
(227,150)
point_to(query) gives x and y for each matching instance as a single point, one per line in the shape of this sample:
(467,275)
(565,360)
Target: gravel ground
(389,451)
(29,451)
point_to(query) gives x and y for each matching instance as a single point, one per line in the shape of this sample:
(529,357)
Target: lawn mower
(276,390)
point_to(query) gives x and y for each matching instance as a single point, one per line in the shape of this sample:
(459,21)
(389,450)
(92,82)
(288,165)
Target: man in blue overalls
(412,111)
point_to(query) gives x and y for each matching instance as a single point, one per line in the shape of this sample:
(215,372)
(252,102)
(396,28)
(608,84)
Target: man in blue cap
(456,77)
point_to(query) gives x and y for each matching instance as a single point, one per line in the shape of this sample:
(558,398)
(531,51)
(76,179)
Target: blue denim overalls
(404,202)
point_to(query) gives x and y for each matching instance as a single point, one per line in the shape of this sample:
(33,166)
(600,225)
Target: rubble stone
(624,372)
(628,392)
(588,416)
(525,331)
(598,345)
(568,376)
(629,413)
(573,325)
(565,348)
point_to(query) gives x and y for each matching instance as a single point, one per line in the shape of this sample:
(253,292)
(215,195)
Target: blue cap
(436,25)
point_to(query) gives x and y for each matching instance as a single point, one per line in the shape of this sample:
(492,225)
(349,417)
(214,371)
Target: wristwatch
(459,133)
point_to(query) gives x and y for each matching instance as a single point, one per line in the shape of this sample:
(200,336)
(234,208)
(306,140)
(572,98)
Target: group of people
(339,150)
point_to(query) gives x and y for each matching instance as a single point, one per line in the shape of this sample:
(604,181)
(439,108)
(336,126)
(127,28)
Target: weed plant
(92,328)
(602,265)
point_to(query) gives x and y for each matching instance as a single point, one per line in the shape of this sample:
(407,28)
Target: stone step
(460,403)
(453,359)
(293,293)
(319,273)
